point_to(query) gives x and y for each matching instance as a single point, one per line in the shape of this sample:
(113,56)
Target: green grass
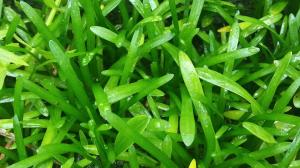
(149,83)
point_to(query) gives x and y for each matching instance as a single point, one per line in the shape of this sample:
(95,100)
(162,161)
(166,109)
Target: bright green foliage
(149,83)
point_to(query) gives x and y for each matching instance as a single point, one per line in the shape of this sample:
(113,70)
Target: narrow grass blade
(37,21)
(19,138)
(138,5)
(120,92)
(109,7)
(277,7)
(226,83)
(232,45)
(286,97)
(293,31)
(258,74)
(278,117)
(52,99)
(132,57)
(9,57)
(276,80)
(139,124)
(3,72)
(174,16)
(292,151)
(241,53)
(187,120)
(154,84)
(46,154)
(194,87)
(270,150)
(122,127)
(1,7)
(72,79)
(12,29)
(109,35)
(259,132)
(157,41)
(196,9)
(77,26)
(153,107)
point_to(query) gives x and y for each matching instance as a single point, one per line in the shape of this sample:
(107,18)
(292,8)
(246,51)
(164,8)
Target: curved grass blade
(286,97)
(122,127)
(234,114)
(278,117)
(153,107)
(69,163)
(156,41)
(292,152)
(123,142)
(194,87)
(9,57)
(174,16)
(232,45)
(241,53)
(1,6)
(187,120)
(47,152)
(270,151)
(258,74)
(133,161)
(52,99)
(19,138)
(120,92)
(132,57)
(259,132)
(228,84)
(138,5)
(143,22)
(37,21)
(154,83)
(12,29)
(293,31)
(195,13)
(3,72)
(90,21)
(77,24)
(296,100)
(173,51)
(268,95)
(110,36)
(110,7)
(72,79)
(18,116)
(30,123)
(277,7)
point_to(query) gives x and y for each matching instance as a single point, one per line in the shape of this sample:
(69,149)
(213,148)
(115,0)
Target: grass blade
(138,123)
(196,9)
(275,81)
(122,127)
(229,56)
(259,132)
(72,79)
(37,21)
(226,83)
(194,87)
(187,120)
(292,151)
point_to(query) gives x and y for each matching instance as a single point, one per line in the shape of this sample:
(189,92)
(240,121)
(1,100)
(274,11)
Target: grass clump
(152,83)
